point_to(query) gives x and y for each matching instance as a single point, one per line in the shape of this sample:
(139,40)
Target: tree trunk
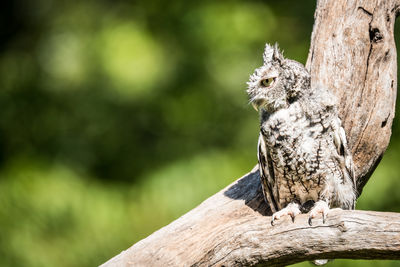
(353,53)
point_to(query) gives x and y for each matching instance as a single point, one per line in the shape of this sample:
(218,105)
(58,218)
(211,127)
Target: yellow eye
(268,82)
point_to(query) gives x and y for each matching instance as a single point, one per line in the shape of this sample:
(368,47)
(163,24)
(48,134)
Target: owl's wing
(344,156)
(266,174)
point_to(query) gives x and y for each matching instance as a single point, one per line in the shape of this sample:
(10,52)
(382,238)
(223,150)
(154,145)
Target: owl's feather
(302,149)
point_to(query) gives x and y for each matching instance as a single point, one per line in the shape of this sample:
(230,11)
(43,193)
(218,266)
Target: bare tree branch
(231,229)
(353,53)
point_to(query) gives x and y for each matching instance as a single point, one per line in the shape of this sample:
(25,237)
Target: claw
(319,207)
(292,209)
(292,215)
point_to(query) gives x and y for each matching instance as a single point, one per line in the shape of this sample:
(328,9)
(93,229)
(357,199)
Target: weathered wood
(352,52)
(231,229)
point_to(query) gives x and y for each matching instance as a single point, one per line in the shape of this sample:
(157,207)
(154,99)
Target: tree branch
(231,229)
(353,53)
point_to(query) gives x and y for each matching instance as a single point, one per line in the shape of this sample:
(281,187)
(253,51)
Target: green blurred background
(117,117)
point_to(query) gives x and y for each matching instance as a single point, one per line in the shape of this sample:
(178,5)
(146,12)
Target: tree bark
(231,229)
(353,53)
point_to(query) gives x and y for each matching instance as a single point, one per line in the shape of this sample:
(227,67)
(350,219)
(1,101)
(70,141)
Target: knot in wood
(375,35)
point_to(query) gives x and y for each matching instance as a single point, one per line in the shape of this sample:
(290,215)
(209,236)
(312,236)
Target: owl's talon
(291,215)
(319,207)
(292,210)
(309,221)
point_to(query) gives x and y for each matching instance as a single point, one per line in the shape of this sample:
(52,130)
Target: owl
(304,161)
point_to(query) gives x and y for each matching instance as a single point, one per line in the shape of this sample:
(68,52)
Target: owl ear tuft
(278,55)
(272,54)
(268,54)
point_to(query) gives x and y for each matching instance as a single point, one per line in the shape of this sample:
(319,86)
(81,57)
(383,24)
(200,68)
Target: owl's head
(278,83)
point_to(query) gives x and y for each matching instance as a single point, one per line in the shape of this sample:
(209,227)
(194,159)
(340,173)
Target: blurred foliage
(117,117)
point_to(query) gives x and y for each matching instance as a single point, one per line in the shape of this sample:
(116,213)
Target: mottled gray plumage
(302,150)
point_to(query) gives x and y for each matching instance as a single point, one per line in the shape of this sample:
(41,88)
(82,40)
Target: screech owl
(304,161)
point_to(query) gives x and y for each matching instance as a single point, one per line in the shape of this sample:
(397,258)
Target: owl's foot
(292,209)
(319,207)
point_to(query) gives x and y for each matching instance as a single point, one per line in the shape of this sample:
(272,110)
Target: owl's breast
(288,129)
(296,149)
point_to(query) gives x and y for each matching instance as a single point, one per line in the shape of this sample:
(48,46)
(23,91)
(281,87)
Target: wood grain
(231,229)
(353,53)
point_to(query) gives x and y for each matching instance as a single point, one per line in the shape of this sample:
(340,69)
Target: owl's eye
(267,82)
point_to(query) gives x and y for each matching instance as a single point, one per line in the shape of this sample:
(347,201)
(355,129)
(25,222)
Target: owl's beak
(257,103)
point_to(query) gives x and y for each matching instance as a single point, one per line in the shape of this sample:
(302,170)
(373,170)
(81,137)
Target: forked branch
(353,53)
